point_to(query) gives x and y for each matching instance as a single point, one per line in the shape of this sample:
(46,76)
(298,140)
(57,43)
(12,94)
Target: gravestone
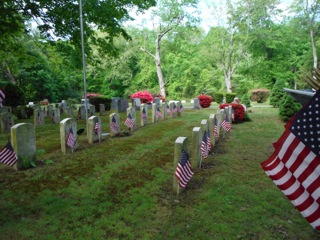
(68,135)
(132,112)
(38,117)
(122,105)
(212,119)
(92,110)
(21,112)
(114,103)
(196,104)
(205,129)
(50,110)
(183,101)
(157,101)
(222,117)
(114,123)
(180,144)
(136,103)
(102,109)
(55,116)
(6,122)
(5,109)
(196,159)
(94,129)
(64,105)
(69,112)
(23,138)
(191,101)
(166,111)
(154,113)
(82,112)
(180,108)
(173,109)
(143,115)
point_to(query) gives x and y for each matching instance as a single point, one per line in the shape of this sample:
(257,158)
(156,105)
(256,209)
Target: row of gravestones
(196,151)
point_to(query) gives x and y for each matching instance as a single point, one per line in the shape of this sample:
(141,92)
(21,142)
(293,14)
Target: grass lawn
(121,188)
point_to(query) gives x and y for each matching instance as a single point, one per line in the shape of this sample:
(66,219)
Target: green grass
(121,188)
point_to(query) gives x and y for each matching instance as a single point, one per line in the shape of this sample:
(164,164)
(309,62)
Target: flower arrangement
(238,109)
(145,96)
(205,100)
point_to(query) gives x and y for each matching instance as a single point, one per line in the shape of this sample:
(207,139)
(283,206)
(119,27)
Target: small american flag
(174,108)
(2,96)
(232,115)
(215,128)
(129,121)
(114,125)
(168,109)
(53,118)
(208,141)
(38,118)
(8,156)
(181,109)
(203,147)
(226,124)
(183,172)
(96,127)
(144,115)
(71,140)
(159,113)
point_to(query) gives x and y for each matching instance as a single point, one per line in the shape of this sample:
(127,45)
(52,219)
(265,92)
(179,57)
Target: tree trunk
(159,69)
(314,49)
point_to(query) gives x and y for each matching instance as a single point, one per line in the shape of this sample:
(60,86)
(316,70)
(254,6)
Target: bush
(230,97)
(96,101)
(245,99)
(288,107)
(277,93)
(71,102)
(260,95)
(14,95)
(92,95)
(205,100)
(238,109)
(145,96)
(218,97)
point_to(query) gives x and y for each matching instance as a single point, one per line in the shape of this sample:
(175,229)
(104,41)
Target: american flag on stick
(232,115)
(174,108)
(215,128)
(159,113)
(208,141)
(226,124)
(114,125)
(294,165)
(71,140)
(96,127)
(181,109)
(7,155)
(183,172)
(203,146)
(168,109)
(144,115)
(129,121)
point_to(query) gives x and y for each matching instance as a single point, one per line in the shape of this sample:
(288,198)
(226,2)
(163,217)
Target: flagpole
(83,65)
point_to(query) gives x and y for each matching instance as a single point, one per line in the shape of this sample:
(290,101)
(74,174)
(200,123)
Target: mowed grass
(121,188)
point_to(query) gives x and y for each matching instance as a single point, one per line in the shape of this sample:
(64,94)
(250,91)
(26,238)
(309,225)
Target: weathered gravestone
(196,104)
(50,110)
(23,138)
(102,109)
(154,113)
(181,144)
(92,110)
(114,103)
(38,117)
(5,109)
(82,112)
(114,120)
(212,130)
(143,115)
(6,121)
(166,110)
(21,112)
(136,102)
(196,159)
(207,137)
(131,121)
(94,129)
(68,135)
(69,112)
(180,108)
(173,109)
(122,105)
(55,118)
(157,101)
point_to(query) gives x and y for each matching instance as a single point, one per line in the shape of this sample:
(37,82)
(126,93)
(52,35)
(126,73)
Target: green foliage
(27,163)
(96,101)
(218,97)
(245,99)
(72,102)
(230,97)
(277,93)
(288,107)
(14,95)
(260,95)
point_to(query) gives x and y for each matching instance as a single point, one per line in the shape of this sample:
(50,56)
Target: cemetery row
(23,138)
(204,139)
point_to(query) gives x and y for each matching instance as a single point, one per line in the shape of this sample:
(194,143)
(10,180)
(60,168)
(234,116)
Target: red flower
(145,96)
(205,100)
(238,110)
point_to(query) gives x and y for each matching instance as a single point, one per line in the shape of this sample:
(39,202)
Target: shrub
(238,110)
(288,107)
(230,97)
(205,100)
(218,97)
(96,101)
(14,95)
(145,96)
(92,95)
(245,99)
(260,95)
(277,93)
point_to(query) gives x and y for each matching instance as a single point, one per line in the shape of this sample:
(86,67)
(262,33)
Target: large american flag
(295,164)
(96,127)
(129,121)
(183,172)
(215,128)
(159,113)
(226,124)
(203,146)
(144,115)
(71,140)
(114,125)
(7,155)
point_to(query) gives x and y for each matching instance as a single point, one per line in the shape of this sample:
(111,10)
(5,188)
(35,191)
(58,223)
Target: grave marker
(92,110)
(154,113)
(143,115)
(114,103)
(5,109)
(122,105)
(6,122)
(102,109)
(196,159)
(156,100)
(114,120)
(50,110)
(70,112)
(173,109)
(82,112)
(180,109)
(132,120)
(211,122)
(21,112)
(23,138)
(205,130)
(136,103)
(196,103)
(68,135)
(94,129)
(166,110)
(55,117)
(38,117)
